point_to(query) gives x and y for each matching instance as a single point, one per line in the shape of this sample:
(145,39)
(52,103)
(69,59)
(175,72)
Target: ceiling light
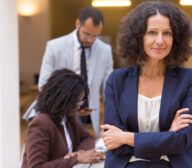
(29,7)
(110,3)
(185,2)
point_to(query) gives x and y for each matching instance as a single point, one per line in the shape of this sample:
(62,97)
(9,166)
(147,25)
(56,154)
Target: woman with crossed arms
(148,104)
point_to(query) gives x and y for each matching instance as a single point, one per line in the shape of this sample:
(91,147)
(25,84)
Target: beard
(83,43)
(86,45)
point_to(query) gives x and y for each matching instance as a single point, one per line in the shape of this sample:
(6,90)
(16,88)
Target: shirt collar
(76,40)
(63,122)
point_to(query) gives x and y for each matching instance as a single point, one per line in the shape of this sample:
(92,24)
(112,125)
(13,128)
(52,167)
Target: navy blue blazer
(121,95)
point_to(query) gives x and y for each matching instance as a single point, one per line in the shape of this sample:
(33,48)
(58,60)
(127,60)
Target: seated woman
(55,139)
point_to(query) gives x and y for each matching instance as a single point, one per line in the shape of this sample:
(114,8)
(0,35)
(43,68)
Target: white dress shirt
(67,135)
(77,55)
(148,117)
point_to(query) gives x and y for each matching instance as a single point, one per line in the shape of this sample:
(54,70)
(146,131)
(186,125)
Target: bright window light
(185,2)
(110,3)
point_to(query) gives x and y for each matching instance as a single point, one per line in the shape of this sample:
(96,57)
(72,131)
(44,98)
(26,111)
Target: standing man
(82,52)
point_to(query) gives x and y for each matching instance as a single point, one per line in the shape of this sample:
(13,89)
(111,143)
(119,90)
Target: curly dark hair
(134,26)
(59,96)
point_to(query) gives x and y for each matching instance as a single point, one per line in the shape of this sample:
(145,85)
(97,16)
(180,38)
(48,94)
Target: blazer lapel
(129,100)
(69,52)
(167,95)
(70,129)
(93,61)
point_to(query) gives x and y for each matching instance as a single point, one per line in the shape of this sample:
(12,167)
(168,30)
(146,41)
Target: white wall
(34,32)
(9,86)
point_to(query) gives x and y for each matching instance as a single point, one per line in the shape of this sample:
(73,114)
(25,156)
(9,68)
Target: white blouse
(67,135)
(148,117)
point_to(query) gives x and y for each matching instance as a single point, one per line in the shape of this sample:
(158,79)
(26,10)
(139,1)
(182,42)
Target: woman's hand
(180,120)
(71,154)
(114,137)
(89,156)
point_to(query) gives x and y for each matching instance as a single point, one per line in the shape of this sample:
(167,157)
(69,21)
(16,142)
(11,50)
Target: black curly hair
(134,26)
(59,96)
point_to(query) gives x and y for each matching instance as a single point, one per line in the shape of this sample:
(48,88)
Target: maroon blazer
(46,146)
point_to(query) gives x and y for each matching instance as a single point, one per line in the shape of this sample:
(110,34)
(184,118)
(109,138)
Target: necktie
(83,65)
(84,71)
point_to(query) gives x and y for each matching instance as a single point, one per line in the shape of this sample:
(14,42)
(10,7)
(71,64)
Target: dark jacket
(46,145)
(121,110)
